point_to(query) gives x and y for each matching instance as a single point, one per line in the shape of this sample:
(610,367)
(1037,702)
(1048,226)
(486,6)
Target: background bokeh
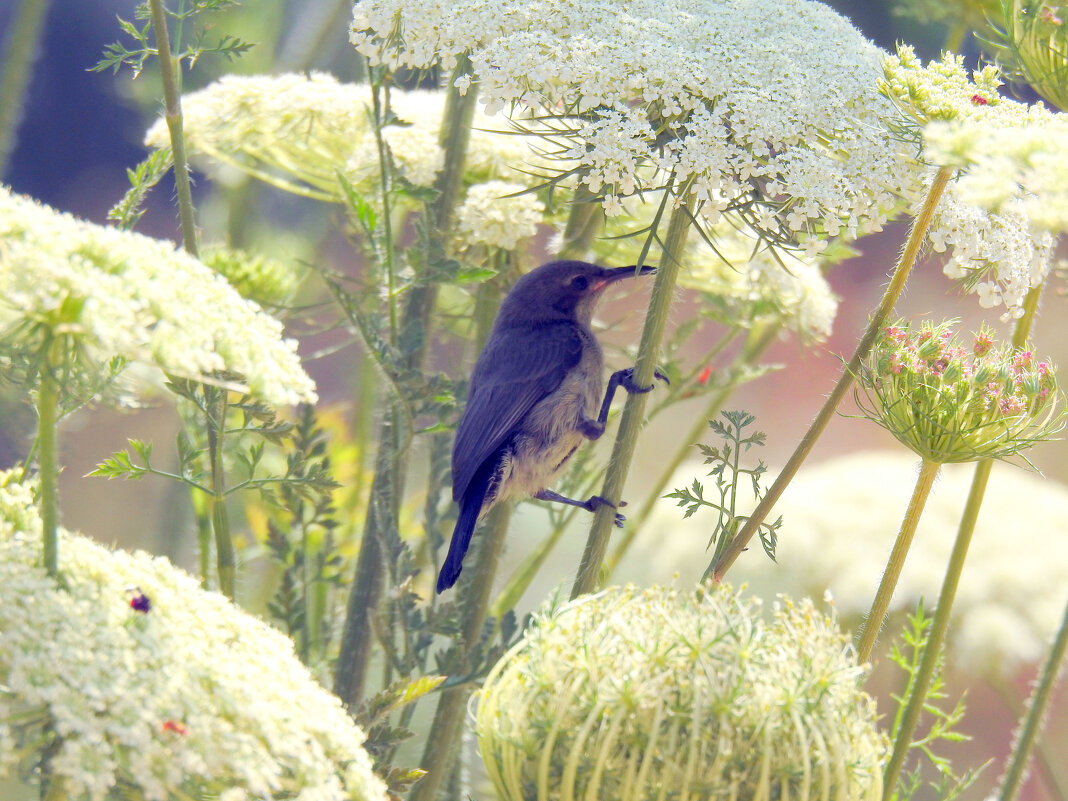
(81,130)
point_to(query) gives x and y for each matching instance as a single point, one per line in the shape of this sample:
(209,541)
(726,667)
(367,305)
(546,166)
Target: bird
(532,398)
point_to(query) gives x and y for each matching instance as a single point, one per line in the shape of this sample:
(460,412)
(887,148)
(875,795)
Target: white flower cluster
(150,688)
(995,219)
(1022,166)
(298,132)
(493,214)
(770,102)
(680,693)
(841,519)
(998,256)
(123,294)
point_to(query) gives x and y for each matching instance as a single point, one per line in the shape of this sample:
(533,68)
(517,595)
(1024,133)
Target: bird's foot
(595,502)
(626,380)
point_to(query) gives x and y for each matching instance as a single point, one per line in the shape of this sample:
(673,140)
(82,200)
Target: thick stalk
(21,46)
(877,616)
(172,113)
(446,732)
(634,410)
(357,637)
(936,637)
(933,647)
(48,460)
(911,251)
(758,341)
(1037,709)
(217,404)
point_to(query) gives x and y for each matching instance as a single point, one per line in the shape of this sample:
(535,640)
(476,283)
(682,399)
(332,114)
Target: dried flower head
(663,693)
(186,696)
(954,403)
(105,293)
(1011,598)
(686,88)
(301,132)
(1031,44)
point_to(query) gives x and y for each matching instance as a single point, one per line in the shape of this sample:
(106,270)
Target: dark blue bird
(533,396)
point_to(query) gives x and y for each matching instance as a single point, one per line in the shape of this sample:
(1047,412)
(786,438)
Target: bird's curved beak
(613,274)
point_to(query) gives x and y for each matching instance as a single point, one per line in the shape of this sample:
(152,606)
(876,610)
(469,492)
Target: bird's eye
(580,282)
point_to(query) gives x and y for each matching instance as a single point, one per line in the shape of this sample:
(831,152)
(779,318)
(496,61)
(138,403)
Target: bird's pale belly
(548,437)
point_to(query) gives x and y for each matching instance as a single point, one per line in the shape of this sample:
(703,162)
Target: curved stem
(20,48)
(920,225)
(634,411)
(933,647)
(877,616)
(172,113)
(48,461)
(1037,708)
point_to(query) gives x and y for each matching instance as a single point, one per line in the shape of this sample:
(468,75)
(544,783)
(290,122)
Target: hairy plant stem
(20,48)
(877,614)
(589,571)
(758,341)
(1037,709)
(936,637)
(387,486)
(48,462)
(216,405)
(909,254)
(447,729)
(172,113)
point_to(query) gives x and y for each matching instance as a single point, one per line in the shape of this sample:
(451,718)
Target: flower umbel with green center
(951,403)
(669,693)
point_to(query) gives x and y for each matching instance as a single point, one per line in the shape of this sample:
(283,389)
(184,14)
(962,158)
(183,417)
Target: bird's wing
(518,368)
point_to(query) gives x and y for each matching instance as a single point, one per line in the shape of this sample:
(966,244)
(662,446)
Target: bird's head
(562,290)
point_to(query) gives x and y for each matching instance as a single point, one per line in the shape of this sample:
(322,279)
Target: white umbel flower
(147,687)
(494,215)
(299,132)
(759,101)
(123,294)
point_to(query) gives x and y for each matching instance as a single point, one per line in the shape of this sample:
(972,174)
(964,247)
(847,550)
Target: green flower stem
(936,637)
(20,48)
(446,731)
(48,460)
(1037,709)
(583,222)
(940,624)
(357,636)
(172,113)
(911,251)
(634,411)
(758,341)
(877,616)
(202,513)
(217,405)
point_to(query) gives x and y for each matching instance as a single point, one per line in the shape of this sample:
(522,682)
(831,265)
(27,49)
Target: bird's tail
(470,507)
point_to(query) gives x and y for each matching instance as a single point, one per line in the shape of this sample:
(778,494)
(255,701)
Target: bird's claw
(627,381)
(597,501)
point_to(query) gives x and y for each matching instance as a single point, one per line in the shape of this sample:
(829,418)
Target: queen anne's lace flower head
(954,402)
(498,214)
(121,294)
(996,219)
(665,693)
(141,685)
(749,102)
(298,132)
